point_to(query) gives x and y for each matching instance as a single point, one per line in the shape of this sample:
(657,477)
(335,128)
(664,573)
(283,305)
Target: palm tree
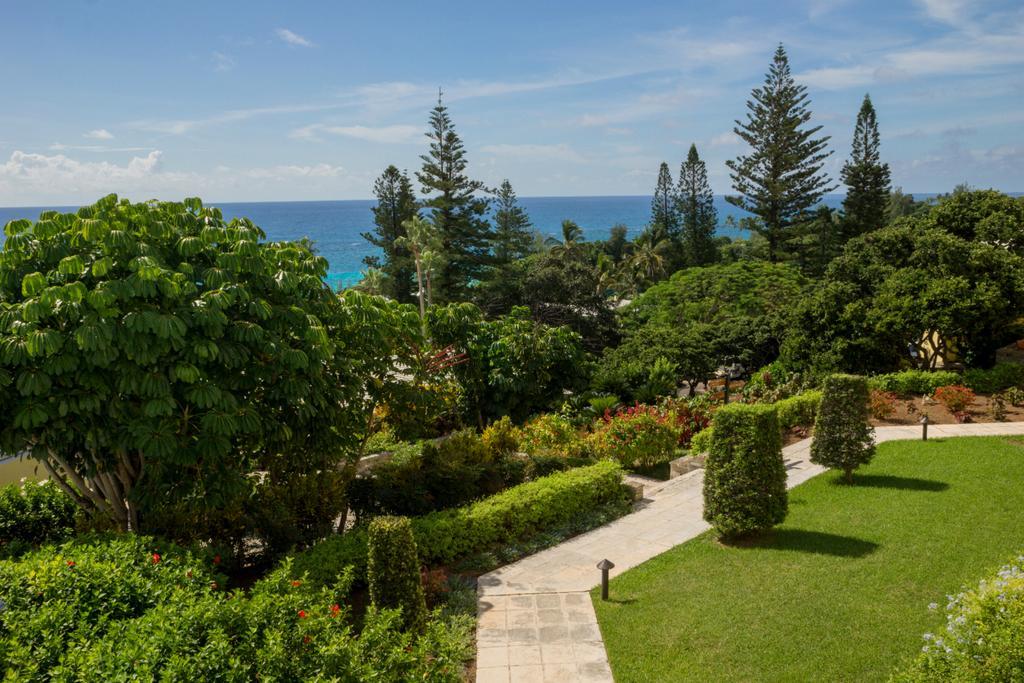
(647,264)
(572,235)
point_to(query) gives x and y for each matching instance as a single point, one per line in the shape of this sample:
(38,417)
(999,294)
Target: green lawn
(840,592)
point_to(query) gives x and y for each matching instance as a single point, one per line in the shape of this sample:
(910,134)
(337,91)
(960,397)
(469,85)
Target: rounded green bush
(843,437)
(744,475)
(393,570)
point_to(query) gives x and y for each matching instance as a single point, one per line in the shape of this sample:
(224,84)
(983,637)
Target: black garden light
(924,427)
(604,566)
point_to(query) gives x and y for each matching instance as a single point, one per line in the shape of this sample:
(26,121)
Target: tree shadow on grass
(888,481)
(815,542)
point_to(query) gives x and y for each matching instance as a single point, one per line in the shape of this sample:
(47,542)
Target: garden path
(536,622)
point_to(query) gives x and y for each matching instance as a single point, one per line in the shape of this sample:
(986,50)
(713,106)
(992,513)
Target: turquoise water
(336,226)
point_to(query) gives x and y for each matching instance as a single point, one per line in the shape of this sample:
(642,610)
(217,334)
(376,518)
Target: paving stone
(531,673)
(519,655)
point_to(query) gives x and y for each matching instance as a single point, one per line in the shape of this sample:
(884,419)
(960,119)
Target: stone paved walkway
(536,622)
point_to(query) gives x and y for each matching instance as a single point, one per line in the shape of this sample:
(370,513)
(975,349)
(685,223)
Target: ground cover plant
(852,570)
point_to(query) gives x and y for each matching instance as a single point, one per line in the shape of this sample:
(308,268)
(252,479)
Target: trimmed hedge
(393,570)
(447,535)
(744,474)
(915,382)
(984,635)
(32,514)
(996,379)
(843,437)
(798,411)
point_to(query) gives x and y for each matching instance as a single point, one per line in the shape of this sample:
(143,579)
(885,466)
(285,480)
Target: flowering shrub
(881,404)
(640,436)
(129,608)
(31,514)
(984,634)
(553,435)
(689,417)
(955,398)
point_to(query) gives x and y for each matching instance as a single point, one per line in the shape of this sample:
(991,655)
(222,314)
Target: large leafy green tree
(396,203)
(702,318)
(513,365)
(866,177)
(456,208)
(782,177)
(695,205)
(949,281)
(155,355)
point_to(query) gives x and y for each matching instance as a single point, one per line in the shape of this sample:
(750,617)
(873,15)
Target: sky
(280,101)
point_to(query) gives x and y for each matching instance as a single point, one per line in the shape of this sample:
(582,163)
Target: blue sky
(284,101)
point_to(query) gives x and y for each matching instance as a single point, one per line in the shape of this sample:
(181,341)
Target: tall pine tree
(782,176)
(664,220)
(866,177)
(396,203)
(456,209)
(513,234)
(695,205)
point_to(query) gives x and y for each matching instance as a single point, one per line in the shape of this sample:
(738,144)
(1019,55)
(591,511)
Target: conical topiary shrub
(393,570)
(843,437)
(744,474)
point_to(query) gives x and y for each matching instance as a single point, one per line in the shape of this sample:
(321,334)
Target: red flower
(156,558)
(189,573)
(216,559)
(302,614)
(306,639)
(296,584)
(335,610)
(71,563)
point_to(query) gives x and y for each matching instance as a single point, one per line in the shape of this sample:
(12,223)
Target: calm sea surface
(335,226)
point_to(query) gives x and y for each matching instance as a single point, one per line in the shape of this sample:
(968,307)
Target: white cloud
(726,139)
(222,62)
(385,134)
(59,147)
(99,134)
(292,171)
(293,38)
(558,152)
(948,11)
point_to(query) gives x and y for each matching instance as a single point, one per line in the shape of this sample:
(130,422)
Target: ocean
(336,226)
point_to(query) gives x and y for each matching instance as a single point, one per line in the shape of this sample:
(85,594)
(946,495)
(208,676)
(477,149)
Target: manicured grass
(841,590)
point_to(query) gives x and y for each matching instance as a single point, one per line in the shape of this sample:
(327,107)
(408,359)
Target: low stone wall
(687,463)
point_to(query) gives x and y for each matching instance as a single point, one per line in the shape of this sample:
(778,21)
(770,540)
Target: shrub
(745,476)
(515,514)
(59,595)
(995,379)
(799,410)
(689,417)
(433,476)
(913,382)
(1014,396)
(955,398)
(843,438)
(553,435)
(997,408)
(32,514)
(641,436)
(775,382)
(881,404)
(984,635)
(130,608)
(701,442)
(393,570)
(502,437)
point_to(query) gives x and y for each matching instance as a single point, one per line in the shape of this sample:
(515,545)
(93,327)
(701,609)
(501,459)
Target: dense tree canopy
(155,352)
(702,318)
(949,281)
